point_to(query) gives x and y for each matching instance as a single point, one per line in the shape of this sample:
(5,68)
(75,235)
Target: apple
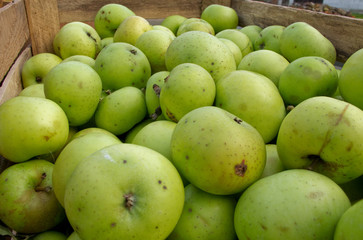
(76,88)
(76,38)
(216,151)
(173,22)
(205,216)
(292,204)
(237,54)
(121,110)
(220,17)
(195,24)
(31,126)
(130,135)
(253,98)
(81,58)
(131,29)
(163,28)
(35,90)
(203,49)
(252,31)
(37,66)
(109,17)
(351,81)
(239,38)
(325,135)
(350,224)
(269,38)
(49,235)
(28,203)
(106,41)
(152,94)
(307,77)
(73,153)
(74,236)
(273,162)
(122,64)
(124,191)
(86,131)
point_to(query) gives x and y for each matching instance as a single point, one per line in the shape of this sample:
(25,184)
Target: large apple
(292,204)
(217,151)
(220,17)
(28,203)
(31,126)
(124,191)
(325,135)
(131,29)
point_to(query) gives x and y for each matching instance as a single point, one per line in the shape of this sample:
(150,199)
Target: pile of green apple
(195,128)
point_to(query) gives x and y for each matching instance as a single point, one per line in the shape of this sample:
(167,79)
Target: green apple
(76,38)
(205,216)
(81,58)
(351,80)
(74,236)
(152,94)
(195,24)
(216,151)
(269,38)
(121,110)
(35,90)
(73,153)
(109,17)
(237,54)
(131,29)
(189,86)
(239,38)
(130,135)
(124,191)
(173,22)
(292,204)
(154,44)
(106,41)
(252,31)
(273,162)
(31,126)
(220,17)
(325,135)
(265,62)
(253,98)
(122,64)
(203,49)
(28,203)
(76,88)
(300,39)
(350,224)
(163,28)
(37,66)
(49,235)
(307,77)
(86,131)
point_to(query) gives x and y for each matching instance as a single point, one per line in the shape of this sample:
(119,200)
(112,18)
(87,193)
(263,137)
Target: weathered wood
(12,84)
(14,34)
(43,24)
(345,33)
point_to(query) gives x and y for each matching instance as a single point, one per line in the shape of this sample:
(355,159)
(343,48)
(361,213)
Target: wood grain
(345,33)
(14,34)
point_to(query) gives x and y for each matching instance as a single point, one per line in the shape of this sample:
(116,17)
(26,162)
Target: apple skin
(76,38)
(131,29)
(273,162)
(239,38)
(152,94)
(220,17)
(252,31)
(145,194)
(220,154)
(109,17)
(35,90)
(195,24)
(173,22)
(131,134)
(205,216)
(325,135)
(269,38)
(237,54)
(163,28)
(292,204)
(81,58)
(73,236)
(49,235)
(37,66)
(350,224)
(31,126)
(28,203)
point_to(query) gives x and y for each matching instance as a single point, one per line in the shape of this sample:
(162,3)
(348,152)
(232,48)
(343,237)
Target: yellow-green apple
(173,22)
(76,88)
(152,94)
(109,17)
(49,235)
(124,191)
(86,131)
(74,236)
(122,64)
(269,38)
(205,216)
(239,38)
(35,90)
(81,58)
(195,24)
(37,66)
(31,126)
(325,135)
(28,203)
(130,135)
(76,38)
(273,162)
(220,17)
(163,28)
(237,54)
(106,41)
(292,204)
(131,29)
(216,151)
(189,86)
(252,31)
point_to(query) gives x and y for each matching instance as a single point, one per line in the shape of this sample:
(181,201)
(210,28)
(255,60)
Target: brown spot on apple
(240,169)
(113,224)
(263,226)
(133,51)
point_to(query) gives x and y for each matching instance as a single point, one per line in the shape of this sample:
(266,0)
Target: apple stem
(129,200)
(43,188)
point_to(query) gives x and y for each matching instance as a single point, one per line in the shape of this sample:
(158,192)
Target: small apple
(35,90)
(269,38)
(152,94)
(106,41)
(49,235)
(239,38)
(28,203)
(220,17)
(163,28)
(195,24)
(252,31)
(130,135)
(234,49)
(173,22)
(86,131)
(131,29)
(37,66)
(81,58)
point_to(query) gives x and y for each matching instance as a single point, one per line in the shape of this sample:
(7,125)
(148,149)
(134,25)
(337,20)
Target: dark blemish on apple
(211,71)
(157,89)
(90,36)
(80,84)
(349,147)
(171,116)
(101,65)
(156,227)
(190,210)
(113,224)
(187,157)
(69,105)
(159,181)
(132,69)
(129,200)
(212,63)
(237,120)
(240,169)
(133,51)
(156,113)
(283,229)
(262,46)
(340,117)
(102,12)
(124,161)
(263,226)
(164,187)
(46,138)
(315,195)
(79,209)
(6,179)
(38,79)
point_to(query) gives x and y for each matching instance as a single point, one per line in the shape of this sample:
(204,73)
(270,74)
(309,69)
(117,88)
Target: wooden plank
(12,84)
(43,24)
(345,33)
(14,34)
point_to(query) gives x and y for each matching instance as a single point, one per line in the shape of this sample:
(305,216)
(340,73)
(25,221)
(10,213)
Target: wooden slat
(43,24)
(14,33)
(12,84)
(345,33)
